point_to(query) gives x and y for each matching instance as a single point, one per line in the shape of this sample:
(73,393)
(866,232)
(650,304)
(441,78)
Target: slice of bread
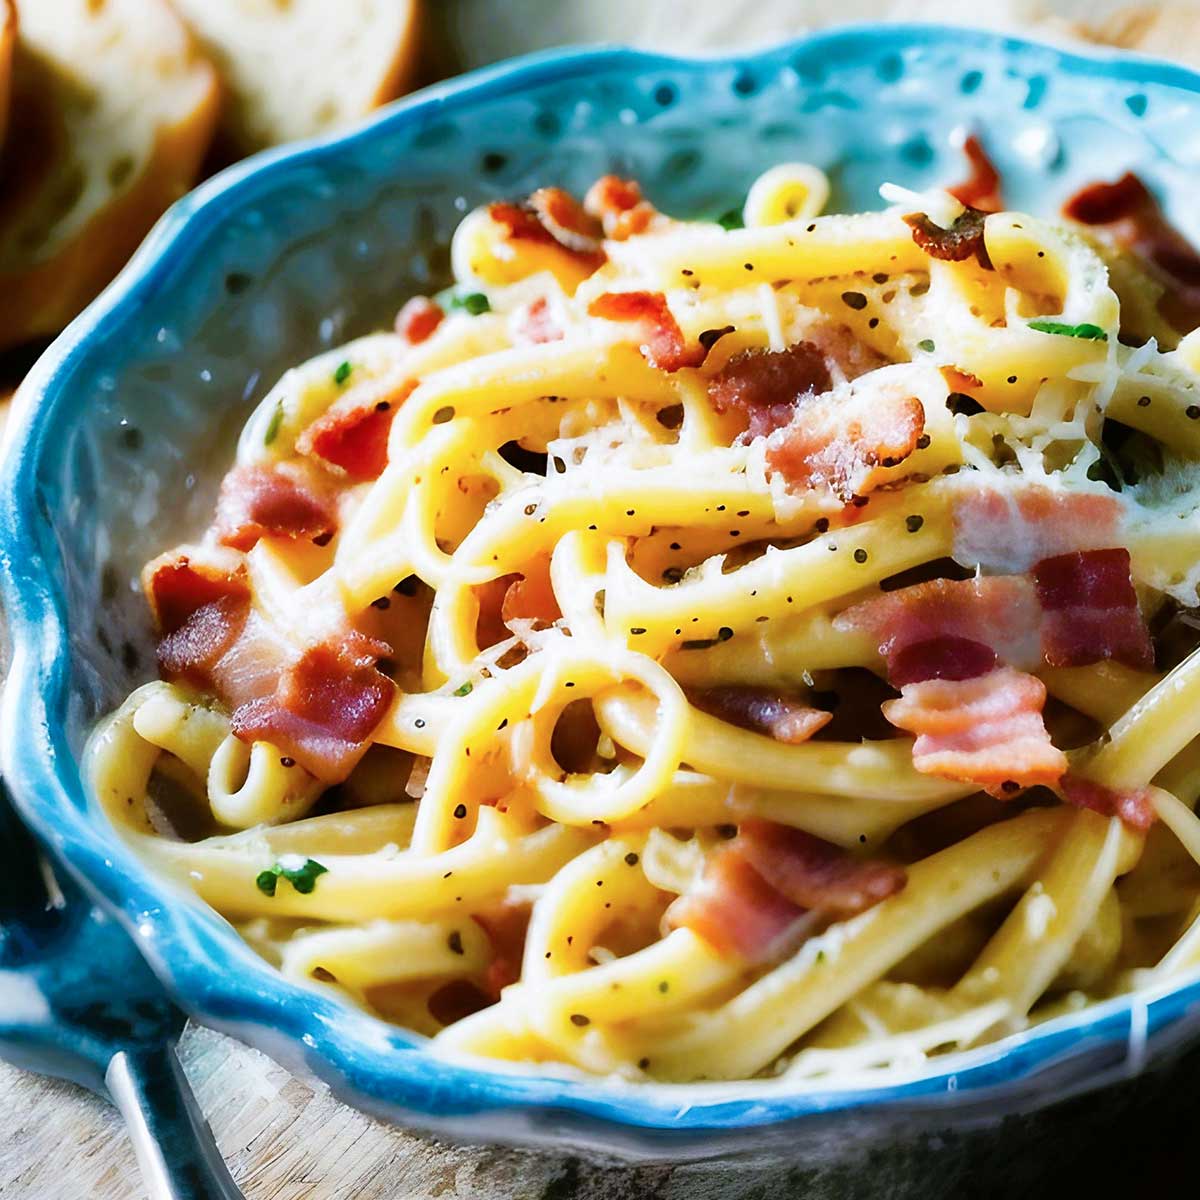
(294,68)
(113,108)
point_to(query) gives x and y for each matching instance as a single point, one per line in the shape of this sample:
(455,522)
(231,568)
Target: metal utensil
(78,1002)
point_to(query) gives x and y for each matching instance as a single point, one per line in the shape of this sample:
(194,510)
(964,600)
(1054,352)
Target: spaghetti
(697,653)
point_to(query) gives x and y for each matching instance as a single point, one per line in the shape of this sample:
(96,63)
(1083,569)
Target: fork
(78,1002)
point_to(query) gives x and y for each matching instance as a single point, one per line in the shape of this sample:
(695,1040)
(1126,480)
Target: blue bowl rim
(42,771)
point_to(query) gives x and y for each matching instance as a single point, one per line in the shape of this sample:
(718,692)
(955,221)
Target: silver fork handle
(178,1157)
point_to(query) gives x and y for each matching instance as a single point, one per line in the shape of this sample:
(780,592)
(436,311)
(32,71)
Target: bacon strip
(1133,805)
(619,206)
(553,217)
(325,706)
(951,628)
(527,596)
(1011,529)
(662,344)
(816,874)
(981,189)
(1127,215)
(766,385)
(353,433)
(176,585)
(418,319)
(841,445)
(279,500)
(781,717)
(1091,610)
(506,926)
(963,239)
(738,913)
(771,885)
(986,731)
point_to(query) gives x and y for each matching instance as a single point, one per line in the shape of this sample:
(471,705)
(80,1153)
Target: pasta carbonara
(706,650)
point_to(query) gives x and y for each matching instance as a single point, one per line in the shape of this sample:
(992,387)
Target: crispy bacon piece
(1126,214)
(987,730)
(325,706)
(353,433)
(537,324)
(963,239)
(277,500)
(766,385)
(662,344)
(506,926)
(842,444)
(1010,529)
(552,216)
(981,189)
(417,320)
(527,596)
(816,874)
(177,584)
(772,885)
(780,716)
(619,206)
(951,628)
(1091,610)
(1133,805)
(739,913)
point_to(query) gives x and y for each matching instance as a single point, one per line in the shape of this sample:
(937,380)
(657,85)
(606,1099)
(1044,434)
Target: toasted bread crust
(44,284)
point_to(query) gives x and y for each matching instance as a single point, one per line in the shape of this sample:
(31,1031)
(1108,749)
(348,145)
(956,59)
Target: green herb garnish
(732,219)
(476,303)
(466,689)
(1091,333)
(302,877)
(342,373)
(927,345)
(274,424)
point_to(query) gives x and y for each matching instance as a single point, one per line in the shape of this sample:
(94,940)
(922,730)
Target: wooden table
(286,1138)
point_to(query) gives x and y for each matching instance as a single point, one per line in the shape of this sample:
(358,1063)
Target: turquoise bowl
(123,425)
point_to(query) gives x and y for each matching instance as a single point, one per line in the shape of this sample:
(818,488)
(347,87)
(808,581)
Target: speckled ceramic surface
(122,427)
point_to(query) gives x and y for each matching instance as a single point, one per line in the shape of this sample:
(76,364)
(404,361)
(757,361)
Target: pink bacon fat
(986,731)
(1010,529)
(950,628)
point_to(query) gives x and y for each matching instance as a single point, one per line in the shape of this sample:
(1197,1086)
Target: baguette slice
(113,108)
(294,68)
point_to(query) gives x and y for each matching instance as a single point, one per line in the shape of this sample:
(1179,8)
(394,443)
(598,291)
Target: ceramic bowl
(122,428)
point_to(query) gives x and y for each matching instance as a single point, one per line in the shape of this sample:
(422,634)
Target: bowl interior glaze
(126,422)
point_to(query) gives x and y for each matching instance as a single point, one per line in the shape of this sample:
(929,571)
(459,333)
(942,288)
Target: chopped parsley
(465,690)
(475,303)
(302,875)
(342,373)
(1091,333)
(927,345)
(273,426)
(732,219)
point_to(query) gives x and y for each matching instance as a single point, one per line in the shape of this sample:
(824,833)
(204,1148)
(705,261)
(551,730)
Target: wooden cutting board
(286,1138)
